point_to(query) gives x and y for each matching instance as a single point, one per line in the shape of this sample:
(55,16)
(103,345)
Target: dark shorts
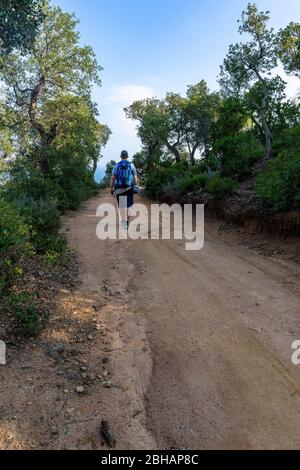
(129,198)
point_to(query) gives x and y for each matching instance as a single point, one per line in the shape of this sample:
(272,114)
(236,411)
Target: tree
(152,128)
(248,65)
(289,48)
(56,65)
(199,111)
(19,22)
(232,117)
(78,128)
(174,119)
(108,172)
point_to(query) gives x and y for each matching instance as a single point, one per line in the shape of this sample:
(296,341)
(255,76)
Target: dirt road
(176,349)
(204,340)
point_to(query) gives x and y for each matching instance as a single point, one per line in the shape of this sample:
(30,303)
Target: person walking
(123,185)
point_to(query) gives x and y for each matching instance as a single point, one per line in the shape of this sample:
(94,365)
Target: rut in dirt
(219,324)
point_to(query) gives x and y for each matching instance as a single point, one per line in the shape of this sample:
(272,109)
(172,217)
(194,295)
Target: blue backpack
(124,177)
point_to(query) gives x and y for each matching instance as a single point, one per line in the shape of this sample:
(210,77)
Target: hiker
(123,185)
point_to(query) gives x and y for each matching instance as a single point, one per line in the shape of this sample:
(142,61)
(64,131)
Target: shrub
(166,178)
(288,140)
(26,182)
(58,257)
(238,153)
(15,235)
(44,216)
(278,185)
(193,183)
(26,313)
(220,187)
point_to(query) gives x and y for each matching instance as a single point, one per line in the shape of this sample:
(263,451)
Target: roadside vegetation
(50,140)
(214,143)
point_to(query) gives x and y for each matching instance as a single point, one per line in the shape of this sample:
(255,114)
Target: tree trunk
(262,113)
(192,156)
(173,149)
(192,151)
(46,137)
(95,164)
(266,129)
(268,140)
(43,164)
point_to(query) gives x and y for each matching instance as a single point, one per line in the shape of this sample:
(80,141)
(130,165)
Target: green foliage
(220,187)
(19,21)
(288,140)
(234,131)
(238,153)
(192,183)
(50,139)
(108,173)
(15,236)
(43,215)
(164,174)
(278,186)
(26,313)
(58,257)
(289,48)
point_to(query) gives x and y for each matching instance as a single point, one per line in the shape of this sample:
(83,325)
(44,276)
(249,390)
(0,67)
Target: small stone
(66,391)
(83,368)
(54,431)
(80,389)
(90,338)
(107,384)
(56,350)
(91,377)
(84,375)
(107,434)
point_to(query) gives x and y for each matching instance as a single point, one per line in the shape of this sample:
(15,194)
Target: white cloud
(127,94)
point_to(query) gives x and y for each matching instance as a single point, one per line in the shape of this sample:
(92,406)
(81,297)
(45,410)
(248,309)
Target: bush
(15,235)
(220,187)
(44,216)
(159,178)
(278,186)
(26,313)
(58,257)
(192,183)
(26,182)
(70,173)
(287,140)
(238,153)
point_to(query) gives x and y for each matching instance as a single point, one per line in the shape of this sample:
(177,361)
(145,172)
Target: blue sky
(149,47)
